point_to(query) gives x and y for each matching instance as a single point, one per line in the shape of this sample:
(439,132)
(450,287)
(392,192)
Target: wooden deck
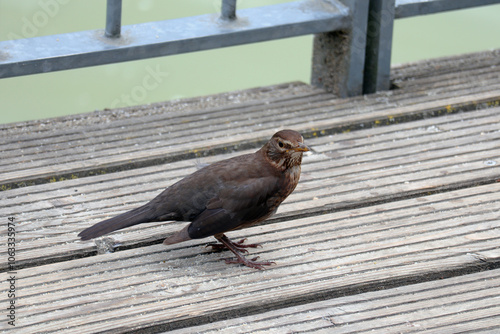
(393,228)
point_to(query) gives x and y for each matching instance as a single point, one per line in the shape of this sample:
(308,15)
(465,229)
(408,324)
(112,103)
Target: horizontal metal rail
(408,8)
(163,38)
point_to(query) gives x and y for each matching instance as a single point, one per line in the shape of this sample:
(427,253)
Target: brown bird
(227,195)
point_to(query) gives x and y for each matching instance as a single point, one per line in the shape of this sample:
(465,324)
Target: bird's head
(284,150)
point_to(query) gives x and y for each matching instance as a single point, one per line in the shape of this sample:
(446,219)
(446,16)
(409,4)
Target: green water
(201,73)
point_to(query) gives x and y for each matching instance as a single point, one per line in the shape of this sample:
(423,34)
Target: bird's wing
(234,205)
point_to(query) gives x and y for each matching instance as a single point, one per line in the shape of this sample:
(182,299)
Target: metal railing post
(339,56)
(113,18)
(379,46)
(228,10)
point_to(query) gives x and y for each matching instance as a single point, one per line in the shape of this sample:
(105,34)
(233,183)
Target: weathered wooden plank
(438,66)
(188,105)
(321,256)
(169,134)
(467,303)
(346,170)
(98,143)
(129,148)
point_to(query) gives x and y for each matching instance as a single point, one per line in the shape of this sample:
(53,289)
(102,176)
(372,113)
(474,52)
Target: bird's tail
(136,216)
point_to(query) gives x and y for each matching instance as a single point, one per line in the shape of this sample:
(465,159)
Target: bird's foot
(252,263)
(238,249)
(239,245)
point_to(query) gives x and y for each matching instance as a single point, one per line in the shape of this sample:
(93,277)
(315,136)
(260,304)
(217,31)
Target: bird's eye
(280,144)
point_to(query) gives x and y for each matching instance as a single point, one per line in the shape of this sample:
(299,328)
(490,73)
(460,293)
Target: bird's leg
(238,251)
(240,245)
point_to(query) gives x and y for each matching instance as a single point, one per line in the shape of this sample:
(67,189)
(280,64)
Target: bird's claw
(239,248)
(239,245)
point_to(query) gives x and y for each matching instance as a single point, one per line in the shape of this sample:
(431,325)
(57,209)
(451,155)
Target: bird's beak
(302,148)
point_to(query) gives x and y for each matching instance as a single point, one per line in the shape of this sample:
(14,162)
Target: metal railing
(351,52)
